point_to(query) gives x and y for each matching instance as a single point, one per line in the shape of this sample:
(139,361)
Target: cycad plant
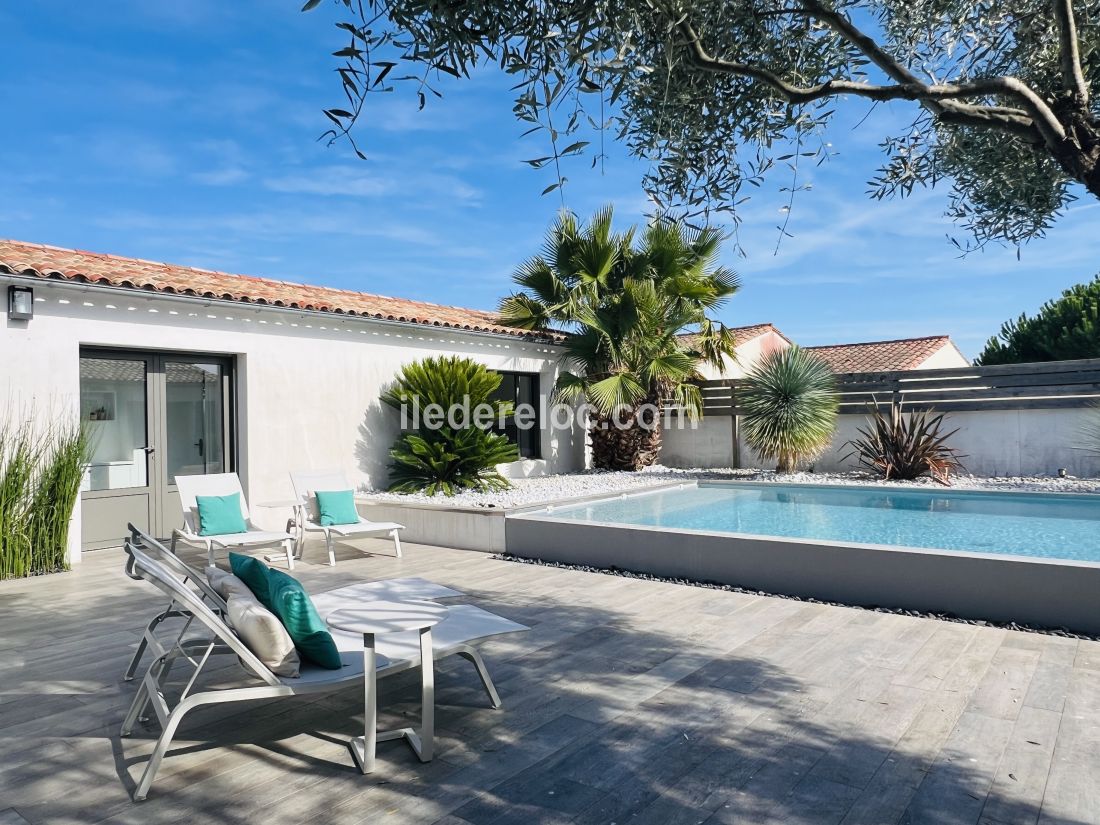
(446,459)
(788,405)
(626,299)
(905,446)
(40,475)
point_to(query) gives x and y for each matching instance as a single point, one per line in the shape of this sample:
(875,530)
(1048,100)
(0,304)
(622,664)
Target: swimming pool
(1036,525)
(1008,557)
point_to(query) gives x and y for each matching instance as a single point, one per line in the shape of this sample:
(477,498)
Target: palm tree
(626,307)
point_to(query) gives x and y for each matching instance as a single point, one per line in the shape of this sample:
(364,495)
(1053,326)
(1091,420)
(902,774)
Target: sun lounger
(464,627)
(306,485)
(223,484)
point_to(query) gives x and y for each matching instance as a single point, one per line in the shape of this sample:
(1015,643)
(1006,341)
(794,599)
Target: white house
(924,353)
(184,370)
(751,343)
(927,353)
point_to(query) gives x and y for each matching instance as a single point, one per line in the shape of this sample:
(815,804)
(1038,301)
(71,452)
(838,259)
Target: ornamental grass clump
(431,456)
(40,475)
(906,446)
(789,407)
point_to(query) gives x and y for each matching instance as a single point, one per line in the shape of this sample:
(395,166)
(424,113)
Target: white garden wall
(996,443)
(707,442)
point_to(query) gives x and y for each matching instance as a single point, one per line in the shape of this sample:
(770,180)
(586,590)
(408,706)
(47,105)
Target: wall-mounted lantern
(20,303)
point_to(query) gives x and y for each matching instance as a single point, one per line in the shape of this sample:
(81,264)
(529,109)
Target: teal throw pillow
(336,507)
(293,606)
(255,574)
(220,515)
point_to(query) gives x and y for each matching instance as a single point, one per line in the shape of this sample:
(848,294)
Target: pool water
(1038,525)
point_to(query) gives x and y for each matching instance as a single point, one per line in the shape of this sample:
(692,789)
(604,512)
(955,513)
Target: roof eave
(84,282)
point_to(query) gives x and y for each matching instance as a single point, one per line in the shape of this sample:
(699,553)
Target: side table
(375,619)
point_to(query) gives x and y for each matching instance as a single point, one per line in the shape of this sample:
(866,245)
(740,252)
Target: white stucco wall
(749,354)
(945,357)
(999,442)
(706,443)
(307,387)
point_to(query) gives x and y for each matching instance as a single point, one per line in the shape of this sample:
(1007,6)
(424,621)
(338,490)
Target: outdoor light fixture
(20,303)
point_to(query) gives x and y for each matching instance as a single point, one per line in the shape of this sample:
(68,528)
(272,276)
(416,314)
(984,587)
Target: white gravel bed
(528,491)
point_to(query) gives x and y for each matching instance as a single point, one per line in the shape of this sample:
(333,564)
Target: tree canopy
(713,94)
(1063,329)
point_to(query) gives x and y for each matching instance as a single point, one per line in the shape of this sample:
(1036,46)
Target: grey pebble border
(732,588)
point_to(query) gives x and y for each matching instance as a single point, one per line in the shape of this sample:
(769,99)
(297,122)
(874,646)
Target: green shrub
(448,460)
(40,475)
(788,407)
(906,446)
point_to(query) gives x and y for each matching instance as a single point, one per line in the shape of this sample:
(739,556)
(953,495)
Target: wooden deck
(628,702)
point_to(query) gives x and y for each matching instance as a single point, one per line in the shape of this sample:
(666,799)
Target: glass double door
(151,416)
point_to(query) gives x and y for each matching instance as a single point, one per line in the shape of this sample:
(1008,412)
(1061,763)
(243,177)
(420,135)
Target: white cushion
(225,584)
(263,634)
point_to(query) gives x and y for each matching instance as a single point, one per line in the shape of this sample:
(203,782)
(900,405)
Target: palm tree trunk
(632,447)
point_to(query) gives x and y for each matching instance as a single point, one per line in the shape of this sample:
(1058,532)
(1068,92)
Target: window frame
(510,390)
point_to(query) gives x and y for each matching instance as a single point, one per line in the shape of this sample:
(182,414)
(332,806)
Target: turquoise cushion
(293,606)
(253,573)
(336,507)
(220,515)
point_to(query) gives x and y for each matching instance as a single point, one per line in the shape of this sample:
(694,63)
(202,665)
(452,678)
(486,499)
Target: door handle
(149,450)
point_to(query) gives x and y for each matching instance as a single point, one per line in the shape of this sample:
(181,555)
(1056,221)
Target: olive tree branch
(1070,51)
(943,99)
(1041,114)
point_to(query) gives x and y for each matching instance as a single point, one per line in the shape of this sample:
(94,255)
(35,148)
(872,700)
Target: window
(522,388)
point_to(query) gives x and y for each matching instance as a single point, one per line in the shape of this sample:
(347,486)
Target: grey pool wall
(1044,593)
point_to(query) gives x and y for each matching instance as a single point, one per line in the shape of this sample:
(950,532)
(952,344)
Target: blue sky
(186,132)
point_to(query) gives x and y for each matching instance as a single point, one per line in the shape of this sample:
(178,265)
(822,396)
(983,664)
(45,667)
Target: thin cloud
(334,180)
(358,182)
(221,177)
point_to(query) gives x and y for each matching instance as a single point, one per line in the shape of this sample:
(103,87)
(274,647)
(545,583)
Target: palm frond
(619,390)
(569,388)
(524,312)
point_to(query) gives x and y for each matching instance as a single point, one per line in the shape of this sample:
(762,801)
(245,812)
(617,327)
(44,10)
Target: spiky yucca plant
(788,407)
(448,460)
(906,445)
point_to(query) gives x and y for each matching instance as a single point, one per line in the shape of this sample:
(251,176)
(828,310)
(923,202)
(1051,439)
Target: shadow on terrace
(603,722)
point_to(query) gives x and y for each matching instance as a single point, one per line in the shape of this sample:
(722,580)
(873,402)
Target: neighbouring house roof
(56,263)
(742,335)
(881,356)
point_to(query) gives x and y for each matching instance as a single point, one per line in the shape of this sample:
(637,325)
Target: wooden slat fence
(1055,384)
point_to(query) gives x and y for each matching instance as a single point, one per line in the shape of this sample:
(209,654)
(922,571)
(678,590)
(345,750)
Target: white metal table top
(385,616)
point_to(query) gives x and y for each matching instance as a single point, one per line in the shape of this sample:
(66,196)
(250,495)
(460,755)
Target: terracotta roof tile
(880,356)
(55,263)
